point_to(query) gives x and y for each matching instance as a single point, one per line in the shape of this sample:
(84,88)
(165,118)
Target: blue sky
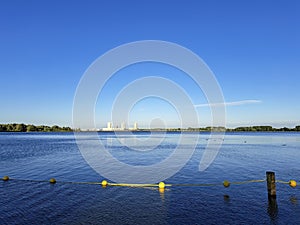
(252,47)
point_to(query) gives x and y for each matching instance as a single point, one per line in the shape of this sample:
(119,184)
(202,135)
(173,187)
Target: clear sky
(252,47)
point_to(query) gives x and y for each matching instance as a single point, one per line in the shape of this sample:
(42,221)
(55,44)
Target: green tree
(20,128)
(46,129)
(9,128)
(55,128)
(2,128)
(31,128)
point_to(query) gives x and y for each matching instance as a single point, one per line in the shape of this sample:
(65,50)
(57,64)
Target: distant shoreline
(20,127)
(14,127)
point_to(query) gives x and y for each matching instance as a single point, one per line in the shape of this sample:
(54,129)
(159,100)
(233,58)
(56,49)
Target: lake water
(243,156)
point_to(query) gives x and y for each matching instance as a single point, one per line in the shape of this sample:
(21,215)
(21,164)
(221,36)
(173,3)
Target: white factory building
(111,127)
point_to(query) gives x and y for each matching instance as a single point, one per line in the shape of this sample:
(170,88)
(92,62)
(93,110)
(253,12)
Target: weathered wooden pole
(271,184)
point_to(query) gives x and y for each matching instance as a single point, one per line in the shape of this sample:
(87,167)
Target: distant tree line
(247,129)
(16,127)
(216,129)
(264,128)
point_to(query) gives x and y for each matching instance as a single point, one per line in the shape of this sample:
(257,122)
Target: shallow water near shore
(243,156)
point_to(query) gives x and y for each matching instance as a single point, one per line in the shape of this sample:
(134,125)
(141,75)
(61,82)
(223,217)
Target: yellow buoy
(161,185)
(52,181)
(226,183)
(293,183)
(104,183)
(5,178)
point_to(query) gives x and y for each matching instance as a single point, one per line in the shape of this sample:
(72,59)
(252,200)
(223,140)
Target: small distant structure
(110,127)
(135,126)
(123,126)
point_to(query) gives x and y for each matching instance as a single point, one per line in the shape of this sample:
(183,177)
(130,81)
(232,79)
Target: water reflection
(294,200)
(162,194)
(273,209)
(226,198)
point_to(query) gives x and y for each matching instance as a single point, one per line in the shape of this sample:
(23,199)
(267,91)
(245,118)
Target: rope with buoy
(292,183)
(160,185)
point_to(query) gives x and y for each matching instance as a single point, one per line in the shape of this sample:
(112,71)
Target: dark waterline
(243,156)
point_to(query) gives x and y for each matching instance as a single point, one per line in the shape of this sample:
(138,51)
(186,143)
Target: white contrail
(236,103)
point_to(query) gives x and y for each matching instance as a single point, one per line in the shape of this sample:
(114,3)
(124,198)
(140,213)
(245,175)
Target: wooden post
(271,184)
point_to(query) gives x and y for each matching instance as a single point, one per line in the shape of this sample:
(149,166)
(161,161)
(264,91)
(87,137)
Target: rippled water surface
(243,156)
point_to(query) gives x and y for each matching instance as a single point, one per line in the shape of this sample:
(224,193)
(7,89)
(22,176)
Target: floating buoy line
(161,185)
